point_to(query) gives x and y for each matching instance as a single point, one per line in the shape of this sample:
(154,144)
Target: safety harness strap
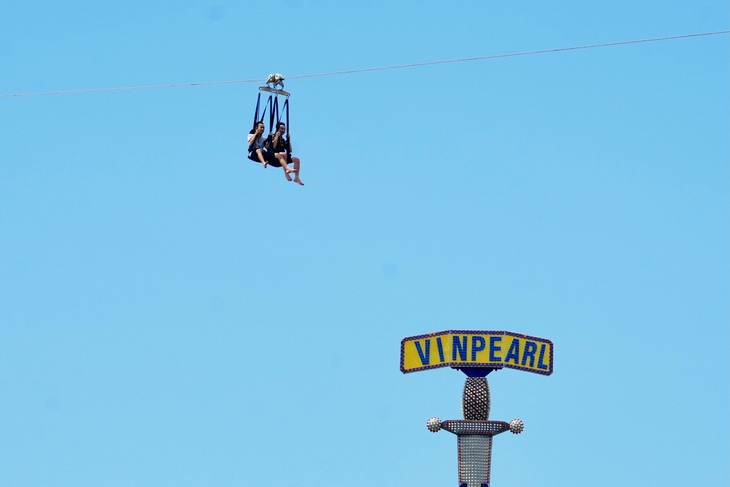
(272,105)
(256,113)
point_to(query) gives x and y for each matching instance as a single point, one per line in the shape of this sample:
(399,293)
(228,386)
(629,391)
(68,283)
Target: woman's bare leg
(261,158)
(295,160)
(281,156)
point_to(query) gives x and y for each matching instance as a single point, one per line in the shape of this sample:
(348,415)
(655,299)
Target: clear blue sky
(173,314)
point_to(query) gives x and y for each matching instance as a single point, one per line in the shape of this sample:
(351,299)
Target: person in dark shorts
(281,146)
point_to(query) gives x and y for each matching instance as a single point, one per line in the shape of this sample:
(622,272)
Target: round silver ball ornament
(433,425)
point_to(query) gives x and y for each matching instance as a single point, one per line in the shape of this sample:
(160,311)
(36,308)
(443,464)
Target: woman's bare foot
(298,181)
(286,175)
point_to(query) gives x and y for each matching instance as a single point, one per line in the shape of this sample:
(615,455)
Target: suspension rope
(363,70)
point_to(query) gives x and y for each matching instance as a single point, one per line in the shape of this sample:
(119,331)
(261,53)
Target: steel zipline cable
(364,70)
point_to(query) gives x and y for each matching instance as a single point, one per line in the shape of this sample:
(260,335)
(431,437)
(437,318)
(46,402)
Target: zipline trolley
(275,88)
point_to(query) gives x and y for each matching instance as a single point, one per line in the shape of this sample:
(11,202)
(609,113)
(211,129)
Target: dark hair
(253,130)
(279,124)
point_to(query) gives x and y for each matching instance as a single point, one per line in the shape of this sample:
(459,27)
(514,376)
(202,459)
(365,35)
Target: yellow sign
(487,349)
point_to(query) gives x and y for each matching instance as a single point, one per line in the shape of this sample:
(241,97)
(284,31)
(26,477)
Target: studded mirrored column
(475,433)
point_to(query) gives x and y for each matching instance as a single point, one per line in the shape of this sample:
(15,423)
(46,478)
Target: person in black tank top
(282,153)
